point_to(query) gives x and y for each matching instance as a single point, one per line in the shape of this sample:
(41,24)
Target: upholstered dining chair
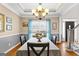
(54,39)
(33,45)
(22,39)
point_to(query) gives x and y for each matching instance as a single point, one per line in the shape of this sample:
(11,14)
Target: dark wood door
(68,24)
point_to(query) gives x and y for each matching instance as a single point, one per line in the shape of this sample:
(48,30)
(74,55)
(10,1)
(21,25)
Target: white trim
(60,31)
(28,14)
(73,5)
(63,29)
(7,6)
(11,48)
(24,15)
(9,35)
(20,5)
(69,19)
(76,52)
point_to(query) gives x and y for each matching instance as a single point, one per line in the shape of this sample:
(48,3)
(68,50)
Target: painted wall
(73,15)
(8,39)
(24,30)
(63,28)
(7,43)
(54,19)
(15,21)
(55,25)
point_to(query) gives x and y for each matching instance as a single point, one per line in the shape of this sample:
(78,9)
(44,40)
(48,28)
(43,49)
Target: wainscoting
(7,43)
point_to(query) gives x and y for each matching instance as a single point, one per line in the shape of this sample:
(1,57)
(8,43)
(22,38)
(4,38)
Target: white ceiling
(24,9)
(30,6)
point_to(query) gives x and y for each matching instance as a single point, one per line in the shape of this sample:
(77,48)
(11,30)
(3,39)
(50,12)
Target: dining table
(53,49)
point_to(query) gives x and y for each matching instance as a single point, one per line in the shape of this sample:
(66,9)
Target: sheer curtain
(38,25)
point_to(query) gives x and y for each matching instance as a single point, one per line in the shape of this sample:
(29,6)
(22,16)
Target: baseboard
(58,41)
(76,52)
(12,48)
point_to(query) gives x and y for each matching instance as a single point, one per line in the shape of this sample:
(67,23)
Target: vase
(39,40)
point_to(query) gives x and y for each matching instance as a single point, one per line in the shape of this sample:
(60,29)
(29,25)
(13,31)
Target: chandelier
(40,12)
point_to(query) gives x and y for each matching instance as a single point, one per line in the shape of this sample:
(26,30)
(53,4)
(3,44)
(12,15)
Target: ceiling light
(40,11)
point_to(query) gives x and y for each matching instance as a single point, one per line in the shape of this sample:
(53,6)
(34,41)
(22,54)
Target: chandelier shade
(40,11)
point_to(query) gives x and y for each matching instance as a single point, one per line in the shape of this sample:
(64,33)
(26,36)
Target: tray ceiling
(25,9)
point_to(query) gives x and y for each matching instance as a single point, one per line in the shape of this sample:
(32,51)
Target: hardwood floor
(13,51)
(62,47)
(63,50)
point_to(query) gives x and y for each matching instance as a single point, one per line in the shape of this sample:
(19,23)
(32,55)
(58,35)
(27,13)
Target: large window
(39,25)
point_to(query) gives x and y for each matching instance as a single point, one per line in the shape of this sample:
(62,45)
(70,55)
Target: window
(39,25)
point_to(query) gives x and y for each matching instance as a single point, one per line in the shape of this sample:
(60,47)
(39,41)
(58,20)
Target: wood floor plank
(13,51)
(61,46)
(63,50)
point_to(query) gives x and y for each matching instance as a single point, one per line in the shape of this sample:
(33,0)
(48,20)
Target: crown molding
(7,6)
(69,8)
(26,14)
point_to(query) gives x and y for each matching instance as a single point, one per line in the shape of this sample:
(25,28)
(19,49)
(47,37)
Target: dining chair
(33,45)
(22,39)
(54,39)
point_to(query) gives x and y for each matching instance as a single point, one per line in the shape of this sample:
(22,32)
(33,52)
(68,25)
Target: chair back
(32,45)
(22,39)
(54,39)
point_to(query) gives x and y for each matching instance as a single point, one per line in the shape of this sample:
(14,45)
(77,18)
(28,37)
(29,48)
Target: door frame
(66,27)
(63,29)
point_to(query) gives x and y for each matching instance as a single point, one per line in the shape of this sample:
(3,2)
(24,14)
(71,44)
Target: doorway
(68,24)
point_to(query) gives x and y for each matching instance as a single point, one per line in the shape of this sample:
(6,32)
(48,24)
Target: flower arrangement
(39,35)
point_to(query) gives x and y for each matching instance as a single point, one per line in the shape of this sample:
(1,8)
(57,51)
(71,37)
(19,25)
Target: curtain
(39,25)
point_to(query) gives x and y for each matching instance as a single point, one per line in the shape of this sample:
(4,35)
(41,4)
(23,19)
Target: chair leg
(48,51)
(28,51)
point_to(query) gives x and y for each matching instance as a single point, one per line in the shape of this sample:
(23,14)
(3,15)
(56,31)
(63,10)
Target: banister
(75,27)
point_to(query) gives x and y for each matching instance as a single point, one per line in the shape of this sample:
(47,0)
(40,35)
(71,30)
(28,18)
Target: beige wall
(24,30)
(54,19)
(15,21)
(55,25)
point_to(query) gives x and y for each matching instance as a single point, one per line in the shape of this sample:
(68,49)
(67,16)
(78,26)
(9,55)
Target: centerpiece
(39,36)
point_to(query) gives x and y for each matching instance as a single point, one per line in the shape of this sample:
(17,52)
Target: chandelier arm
(40,12)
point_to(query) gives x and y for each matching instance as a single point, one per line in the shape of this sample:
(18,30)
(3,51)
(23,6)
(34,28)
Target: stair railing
(70,37)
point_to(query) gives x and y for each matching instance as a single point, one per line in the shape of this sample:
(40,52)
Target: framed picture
(2,23)
(9,19)
(9,23)
(24,24)
(54,26)
(8,27)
